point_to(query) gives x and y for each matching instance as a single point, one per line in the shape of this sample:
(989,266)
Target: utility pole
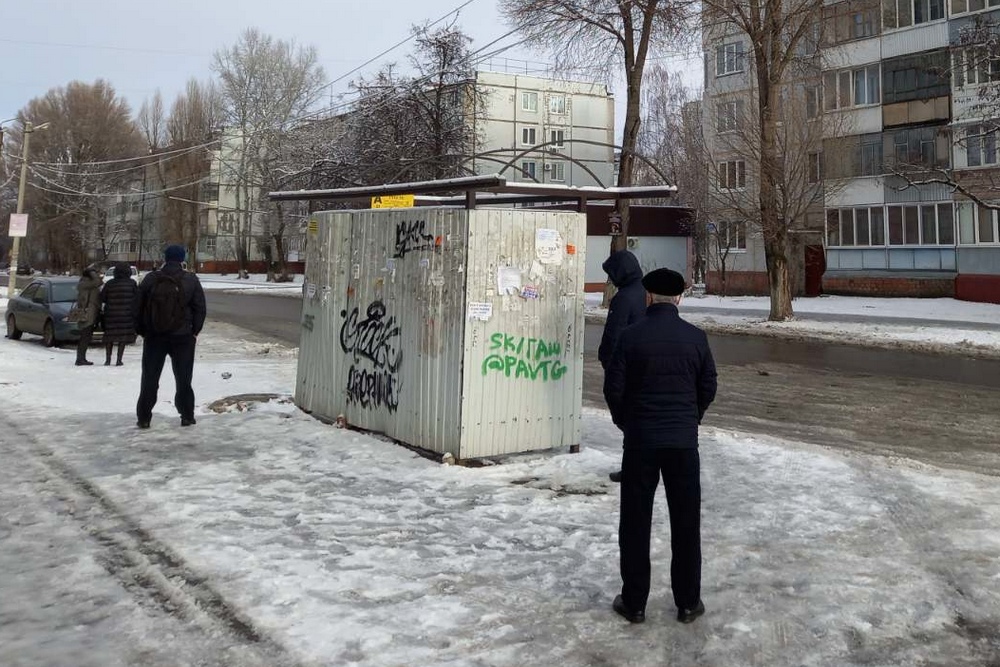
(28,129)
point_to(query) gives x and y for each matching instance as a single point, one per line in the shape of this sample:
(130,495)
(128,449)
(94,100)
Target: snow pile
(341,548)
(256,283)
(935,325)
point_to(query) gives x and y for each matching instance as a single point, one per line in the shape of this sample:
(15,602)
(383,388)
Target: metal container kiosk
(454,330)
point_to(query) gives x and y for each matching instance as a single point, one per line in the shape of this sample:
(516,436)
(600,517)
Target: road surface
(937,409)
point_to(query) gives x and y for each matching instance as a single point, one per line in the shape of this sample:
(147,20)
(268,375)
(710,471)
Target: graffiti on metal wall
(372,388)
(374,345)
(518,357)
(412,236)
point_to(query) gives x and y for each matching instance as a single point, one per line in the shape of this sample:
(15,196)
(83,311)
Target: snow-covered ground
(940,325)
(274,539)
(256,282)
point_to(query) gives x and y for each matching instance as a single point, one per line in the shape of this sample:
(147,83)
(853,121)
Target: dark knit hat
(664,282)
(174,253)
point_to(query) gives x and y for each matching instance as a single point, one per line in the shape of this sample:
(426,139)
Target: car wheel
(49,335)
(12,331)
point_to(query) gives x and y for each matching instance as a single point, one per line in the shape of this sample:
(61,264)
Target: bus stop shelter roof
(495,190)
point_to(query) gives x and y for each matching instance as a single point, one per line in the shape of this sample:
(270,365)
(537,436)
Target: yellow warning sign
(313,226)
(393,201)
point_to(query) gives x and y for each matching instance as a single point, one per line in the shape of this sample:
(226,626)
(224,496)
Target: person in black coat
(178,343)
(658,385)
(120,299)
(625,309)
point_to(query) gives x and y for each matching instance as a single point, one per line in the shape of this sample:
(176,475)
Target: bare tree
(784,36)
(606,35)
(266,84)
(72,176)
(671,137)
(194,124)
(152,122)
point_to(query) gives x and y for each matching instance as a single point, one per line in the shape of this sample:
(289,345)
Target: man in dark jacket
(178,343)
(625,309)
(659,383)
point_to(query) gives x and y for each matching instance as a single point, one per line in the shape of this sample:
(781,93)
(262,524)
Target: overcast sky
(140,46)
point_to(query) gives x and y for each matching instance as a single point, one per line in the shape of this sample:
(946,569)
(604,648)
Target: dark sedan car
(41,309)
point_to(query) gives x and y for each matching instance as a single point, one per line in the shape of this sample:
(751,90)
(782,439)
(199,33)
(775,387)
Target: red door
(815,268)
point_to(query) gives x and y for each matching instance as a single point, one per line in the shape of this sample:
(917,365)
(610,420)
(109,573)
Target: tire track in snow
(145,566)
(911,515)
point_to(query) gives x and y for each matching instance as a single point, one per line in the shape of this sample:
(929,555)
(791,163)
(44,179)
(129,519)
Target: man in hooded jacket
(627,306)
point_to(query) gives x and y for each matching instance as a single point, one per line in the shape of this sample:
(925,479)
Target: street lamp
(29,128)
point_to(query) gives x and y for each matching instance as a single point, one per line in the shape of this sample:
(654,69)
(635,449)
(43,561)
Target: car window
(29,291)
(62,292)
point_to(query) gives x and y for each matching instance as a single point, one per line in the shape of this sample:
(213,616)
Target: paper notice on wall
(508,280)
(549,246)
(311,290)
(481,311)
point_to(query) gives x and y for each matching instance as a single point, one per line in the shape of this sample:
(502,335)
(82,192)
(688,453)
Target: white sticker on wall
(311,290)
(508,280)
(549,246)
(481,311)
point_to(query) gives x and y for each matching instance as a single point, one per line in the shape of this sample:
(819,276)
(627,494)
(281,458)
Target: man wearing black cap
(658,384)
(171,315)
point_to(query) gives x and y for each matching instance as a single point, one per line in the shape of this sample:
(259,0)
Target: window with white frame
(527,136)
(974,66)
(871,154)
(732,175)
(921,224)
(981,145)
(851,87)
(815,174)
(903,13)
(732,234)
(813,101)
(557,138)
(977,224)
(852,19)
(529,101)
(963,6)
(210,243)
(729,58)
(557,104)
(528,168)
(729,115)
(859,226)
(557,171)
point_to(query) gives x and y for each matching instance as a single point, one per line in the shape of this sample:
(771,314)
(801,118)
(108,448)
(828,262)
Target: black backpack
(165,309)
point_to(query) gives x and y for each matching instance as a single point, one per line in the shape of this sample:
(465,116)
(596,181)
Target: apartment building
(906,115)
(547,130)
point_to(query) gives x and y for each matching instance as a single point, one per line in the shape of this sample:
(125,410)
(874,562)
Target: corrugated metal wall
(405,331)
(524,365)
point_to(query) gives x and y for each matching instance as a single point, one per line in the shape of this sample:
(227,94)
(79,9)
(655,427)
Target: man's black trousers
(155,350)
(641,472)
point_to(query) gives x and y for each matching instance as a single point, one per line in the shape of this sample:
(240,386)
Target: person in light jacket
(660,381)
(120,298)
(88,304)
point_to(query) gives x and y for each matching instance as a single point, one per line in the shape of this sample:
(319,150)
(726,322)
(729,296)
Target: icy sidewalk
(933,325)
(347,550)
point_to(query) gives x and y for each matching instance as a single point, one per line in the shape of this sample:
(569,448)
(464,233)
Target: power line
(149,156)
(69,192)
(395,46)
(44,165)
(26,42)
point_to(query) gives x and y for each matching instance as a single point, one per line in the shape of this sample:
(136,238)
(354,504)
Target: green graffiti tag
(521,357)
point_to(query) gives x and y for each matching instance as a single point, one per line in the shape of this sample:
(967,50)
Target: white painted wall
(653,252)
